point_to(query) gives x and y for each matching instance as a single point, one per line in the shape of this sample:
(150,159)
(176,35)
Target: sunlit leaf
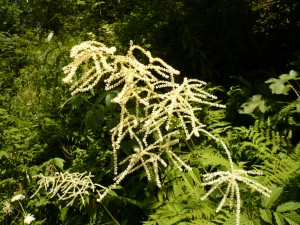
(278,86)
(59,162)
(288,206)
(255,102)
(268,202)
(266,215)
(293,218)
(293,75)
(279,218)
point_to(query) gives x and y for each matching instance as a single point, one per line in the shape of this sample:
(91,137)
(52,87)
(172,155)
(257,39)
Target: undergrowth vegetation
(114,134)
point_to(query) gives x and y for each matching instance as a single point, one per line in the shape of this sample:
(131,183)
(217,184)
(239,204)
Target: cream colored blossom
(232,178)
(17,198)
(68,186)
(87,51)
(29,219)
(159,110)
(7,208)
(178,104)
(153,107)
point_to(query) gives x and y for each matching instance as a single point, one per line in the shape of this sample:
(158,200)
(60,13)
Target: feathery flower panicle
(177,105)
(68,186)
(149,158)
(153,108)
(29,219)
(18,198)
(232,177)
(7,208)
(88,51)
(119,67)
(167,108)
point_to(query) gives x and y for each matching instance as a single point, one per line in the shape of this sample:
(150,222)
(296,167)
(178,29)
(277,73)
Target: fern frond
(279,168)
(213,158)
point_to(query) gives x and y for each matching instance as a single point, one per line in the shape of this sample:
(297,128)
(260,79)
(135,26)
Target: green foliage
(256,102)
(279,86)
(178,201)
(45,130)
(282,112)
(285,212)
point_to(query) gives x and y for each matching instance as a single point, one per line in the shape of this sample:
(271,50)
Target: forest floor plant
(155,113)
(16,205)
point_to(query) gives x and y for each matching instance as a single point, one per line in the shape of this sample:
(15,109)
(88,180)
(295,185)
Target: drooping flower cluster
(152,104)
(232,177)
(68,186)
(9,206)
(17,198)
(83,54)
(29,219)
(154,112)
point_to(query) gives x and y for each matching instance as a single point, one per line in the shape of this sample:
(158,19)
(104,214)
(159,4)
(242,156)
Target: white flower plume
(154,110)
(232,178)
(18,198)
(7,208)
(68,186)
(29,219)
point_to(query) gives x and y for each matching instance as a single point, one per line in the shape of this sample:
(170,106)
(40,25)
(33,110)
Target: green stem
(22,208)
(110,215)
(191,148)
(217,140)
(296,92)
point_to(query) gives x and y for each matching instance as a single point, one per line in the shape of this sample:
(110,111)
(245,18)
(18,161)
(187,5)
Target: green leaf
(108,100)
(58,162)
(266,215)
(278,218)
(63,213)
(160,195)
(293,218)
(153,205)
(278,86)
(92,91)
(41,201)
(17,145)
(291,76)
(188,182)
(94,118)
(288,206)
(253,103)
(268,202)
(3,111)
(194,176)
(80,2)
(291,222)
(5,154)
(127,146)
(244,220)
(297,103)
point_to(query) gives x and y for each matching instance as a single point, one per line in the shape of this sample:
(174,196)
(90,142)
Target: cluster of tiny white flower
(163,113)
(232,177)
(68,186)
(8,208)
(29,219)
(18,198)
(89,50)
(167,108)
